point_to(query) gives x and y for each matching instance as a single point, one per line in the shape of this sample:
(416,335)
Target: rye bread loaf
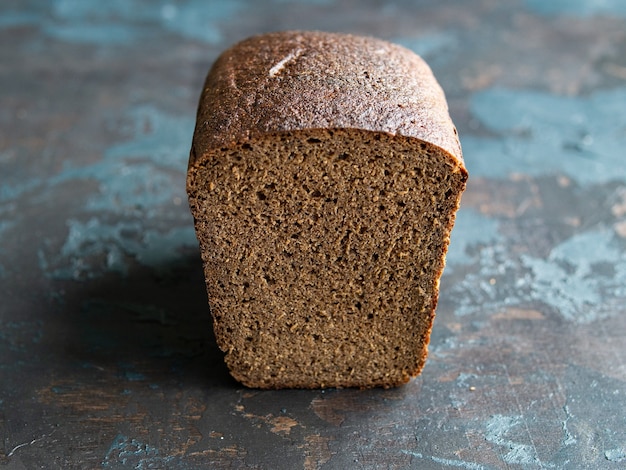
(324,178)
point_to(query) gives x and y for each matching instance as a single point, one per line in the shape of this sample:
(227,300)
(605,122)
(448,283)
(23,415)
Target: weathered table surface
(106,354)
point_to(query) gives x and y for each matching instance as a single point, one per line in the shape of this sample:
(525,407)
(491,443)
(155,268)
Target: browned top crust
(299,80)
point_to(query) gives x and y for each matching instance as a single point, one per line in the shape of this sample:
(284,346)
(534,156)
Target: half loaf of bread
(324,178)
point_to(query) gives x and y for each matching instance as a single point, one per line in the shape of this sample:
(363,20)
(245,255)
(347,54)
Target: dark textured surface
(106,359)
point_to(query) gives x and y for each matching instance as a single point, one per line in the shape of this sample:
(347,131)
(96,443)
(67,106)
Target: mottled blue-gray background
(106,353)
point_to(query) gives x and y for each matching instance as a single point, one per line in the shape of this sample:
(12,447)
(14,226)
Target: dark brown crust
(313,80)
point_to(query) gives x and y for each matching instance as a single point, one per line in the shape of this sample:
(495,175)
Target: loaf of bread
(324,178)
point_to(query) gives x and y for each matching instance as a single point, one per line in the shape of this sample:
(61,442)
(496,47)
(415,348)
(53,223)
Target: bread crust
(298,80)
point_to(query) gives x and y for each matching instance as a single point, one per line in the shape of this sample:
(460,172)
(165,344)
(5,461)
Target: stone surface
(106,355)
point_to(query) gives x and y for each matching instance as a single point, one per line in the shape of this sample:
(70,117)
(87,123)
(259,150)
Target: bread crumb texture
(322,246)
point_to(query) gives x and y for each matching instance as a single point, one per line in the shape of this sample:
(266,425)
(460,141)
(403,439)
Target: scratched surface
(106,354)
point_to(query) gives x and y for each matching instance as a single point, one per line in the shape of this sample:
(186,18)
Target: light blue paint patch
(568,438)
(160,249)
(583,278)
(615,455)
(119,22)
(136,178)
(543,134)
(113,22)
(471,229)
(143,173)
(10,192)
(12,19)
(580,8)
(109,34)
(464,380)
(126,187)
(198,19)
(162,138)
(568,278)
(132,453)
(92,248)
(73,10)
(458,463)
(430,45)
(92,241)
(477,293)
(448,462)
(498,429)
(443,349)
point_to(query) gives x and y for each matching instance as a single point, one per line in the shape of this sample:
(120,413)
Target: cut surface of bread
(322,245)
